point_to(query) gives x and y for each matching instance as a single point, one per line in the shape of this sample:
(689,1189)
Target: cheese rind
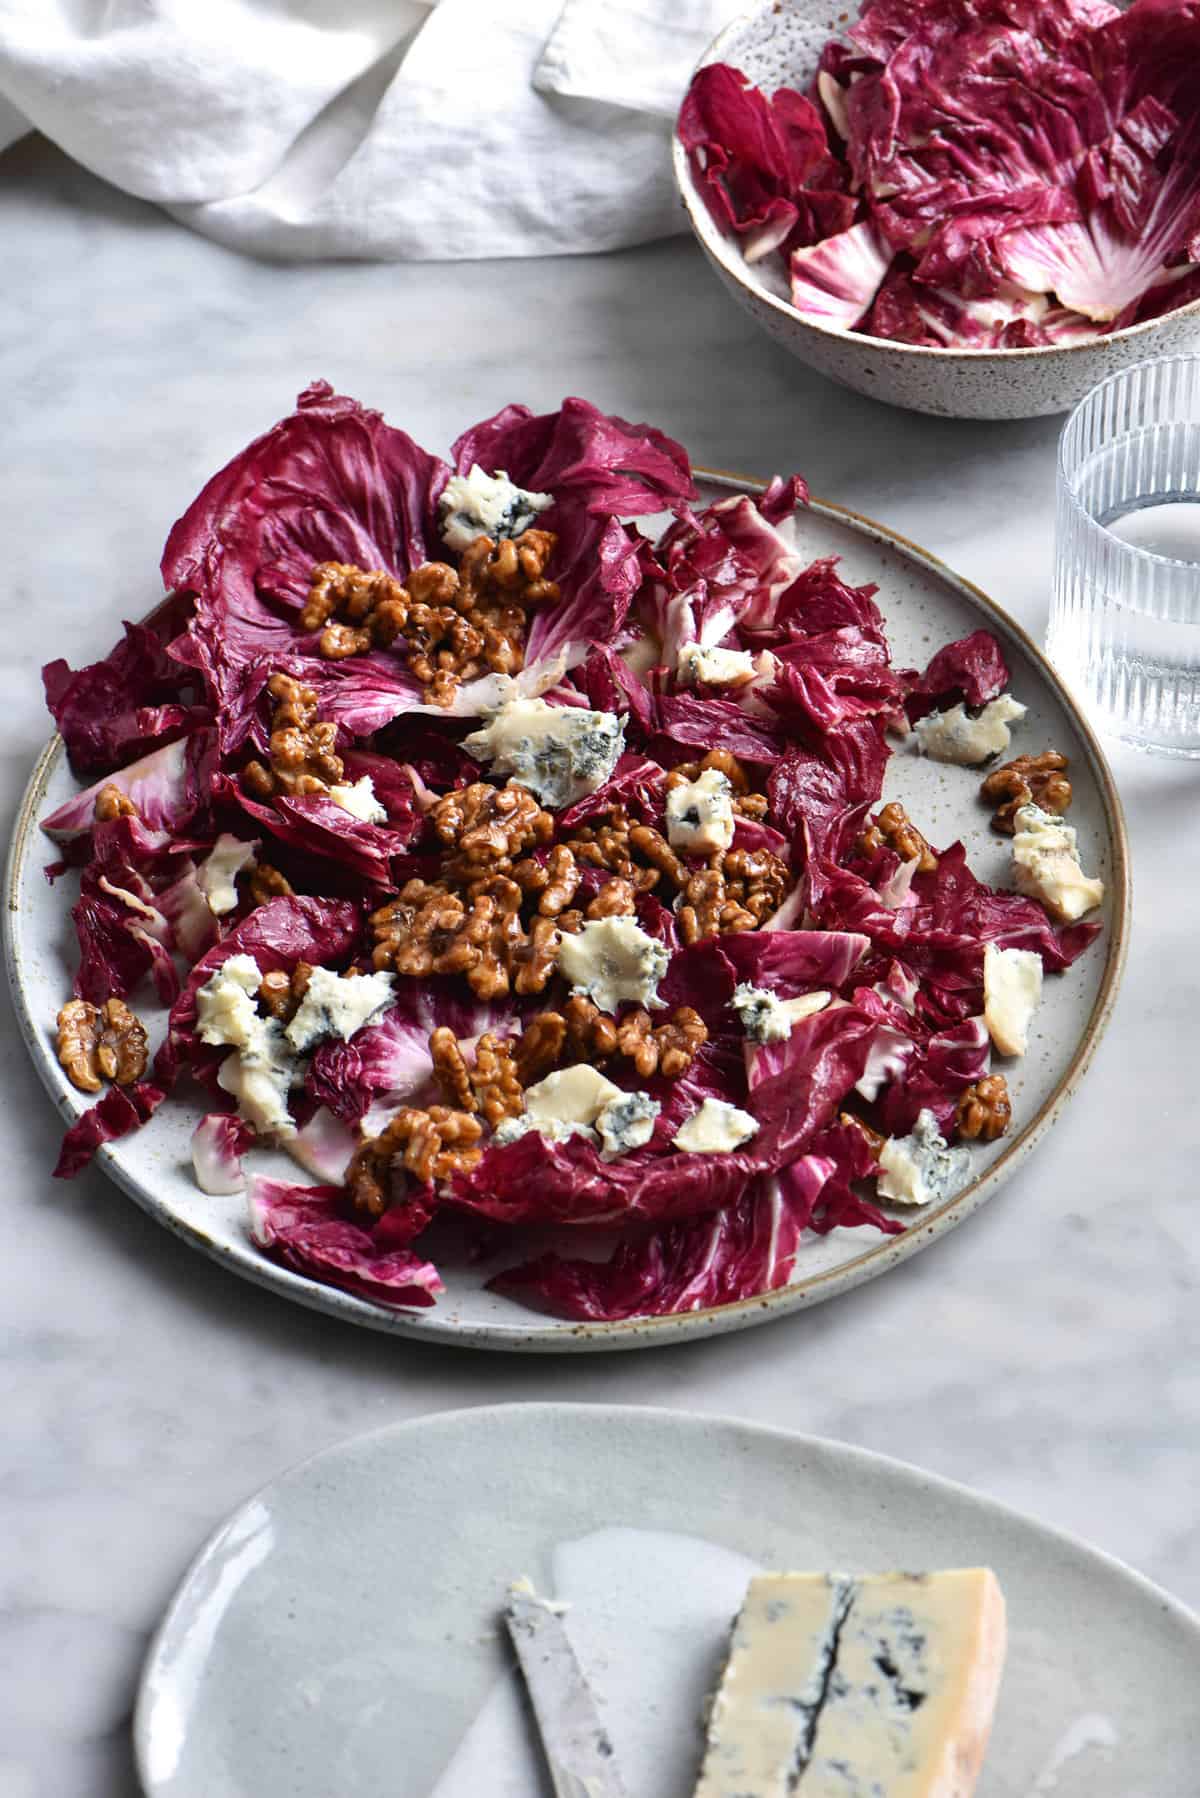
(875,1687)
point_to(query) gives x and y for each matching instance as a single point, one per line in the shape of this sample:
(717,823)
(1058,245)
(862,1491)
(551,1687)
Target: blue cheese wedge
(713,667)
(560,752)
(917,1169)
(479,504)
(217,874)
(766,1018)
(1012,988)
(337,1005)
(1046,865)
(700,814)
(263,1071)
(613,961)
(877,1687)
(955,736)
(717,1128)
(358,798)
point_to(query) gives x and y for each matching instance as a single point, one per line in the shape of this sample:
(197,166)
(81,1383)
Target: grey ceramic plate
(925,606)
(339,1633)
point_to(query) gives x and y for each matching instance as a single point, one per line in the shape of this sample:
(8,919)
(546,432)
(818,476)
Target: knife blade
(575,1742)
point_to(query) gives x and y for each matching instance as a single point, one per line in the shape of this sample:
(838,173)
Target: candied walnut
(679,1040)
(872,1138)
(450,1067)
(303,752)
(540,1046)
(667,1049)
(592,1034)
(894,829)
(616,899)
(494,1079)
(280,993)
(112,803)
(984,1110)
(756,880)
(342,590)
(513,569)
(488,827)
(654,848)
(1027,780)
(101,1041)
(430,1145)
(705,908)
(532,957)
(554,881)
(263,883)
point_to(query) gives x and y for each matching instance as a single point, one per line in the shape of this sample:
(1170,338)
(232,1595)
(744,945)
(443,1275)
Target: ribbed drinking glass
(1125,621)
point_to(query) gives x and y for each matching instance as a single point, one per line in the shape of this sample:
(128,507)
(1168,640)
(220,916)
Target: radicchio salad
(982,174)
(502,862)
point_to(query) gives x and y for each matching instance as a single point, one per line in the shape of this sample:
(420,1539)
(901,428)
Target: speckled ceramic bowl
(778,45)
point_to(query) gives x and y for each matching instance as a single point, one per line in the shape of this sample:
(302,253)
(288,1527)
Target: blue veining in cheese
(479,504)
(876,1687)
(560,752)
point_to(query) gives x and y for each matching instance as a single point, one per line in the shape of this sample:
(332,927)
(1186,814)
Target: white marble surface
(1047,1353)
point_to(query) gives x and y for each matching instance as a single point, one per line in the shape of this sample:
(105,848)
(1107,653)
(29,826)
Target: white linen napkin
(377,129)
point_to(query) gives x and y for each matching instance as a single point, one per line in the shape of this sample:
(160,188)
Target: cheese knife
(574,1740)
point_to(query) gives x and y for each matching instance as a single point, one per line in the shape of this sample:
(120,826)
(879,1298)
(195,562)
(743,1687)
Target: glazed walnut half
(1039,780)
(101,1042)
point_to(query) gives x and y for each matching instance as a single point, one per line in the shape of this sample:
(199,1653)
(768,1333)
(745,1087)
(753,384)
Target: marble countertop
(1048,1353)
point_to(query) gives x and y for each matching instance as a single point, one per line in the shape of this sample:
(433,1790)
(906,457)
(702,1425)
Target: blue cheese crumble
(561,753)
(359,800)
(716,1129)
(566,1103)
(955,736)
(613,961)
(486,505)
(627,1123)
(766,1018)
(917,1169)
(700,814)
(713,667)
(262,1072)
(337,1005)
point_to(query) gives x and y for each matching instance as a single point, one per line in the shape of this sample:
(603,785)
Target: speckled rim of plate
(861,1465)
(644,1332)
(734,262)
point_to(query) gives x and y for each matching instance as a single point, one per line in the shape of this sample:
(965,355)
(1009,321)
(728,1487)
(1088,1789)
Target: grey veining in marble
(1047,1353)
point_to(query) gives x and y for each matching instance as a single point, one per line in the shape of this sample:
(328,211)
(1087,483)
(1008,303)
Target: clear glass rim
(1133,553)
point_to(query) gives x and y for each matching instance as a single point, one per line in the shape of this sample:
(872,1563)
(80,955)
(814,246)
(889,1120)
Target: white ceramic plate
(340,1633)
(925,605)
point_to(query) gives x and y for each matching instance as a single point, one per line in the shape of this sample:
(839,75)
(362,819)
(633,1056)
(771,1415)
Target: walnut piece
(489,1085)
(850,1120)
(984,1110)
(280,993)
(1039,780)
(101,1041)
(487,828)
(582,1032)
(112,803)
(745,803)
(429,1145)
(303,753)
(264,883)
(894,829)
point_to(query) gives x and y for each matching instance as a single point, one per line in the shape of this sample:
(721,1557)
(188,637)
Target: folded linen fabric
(368,128)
